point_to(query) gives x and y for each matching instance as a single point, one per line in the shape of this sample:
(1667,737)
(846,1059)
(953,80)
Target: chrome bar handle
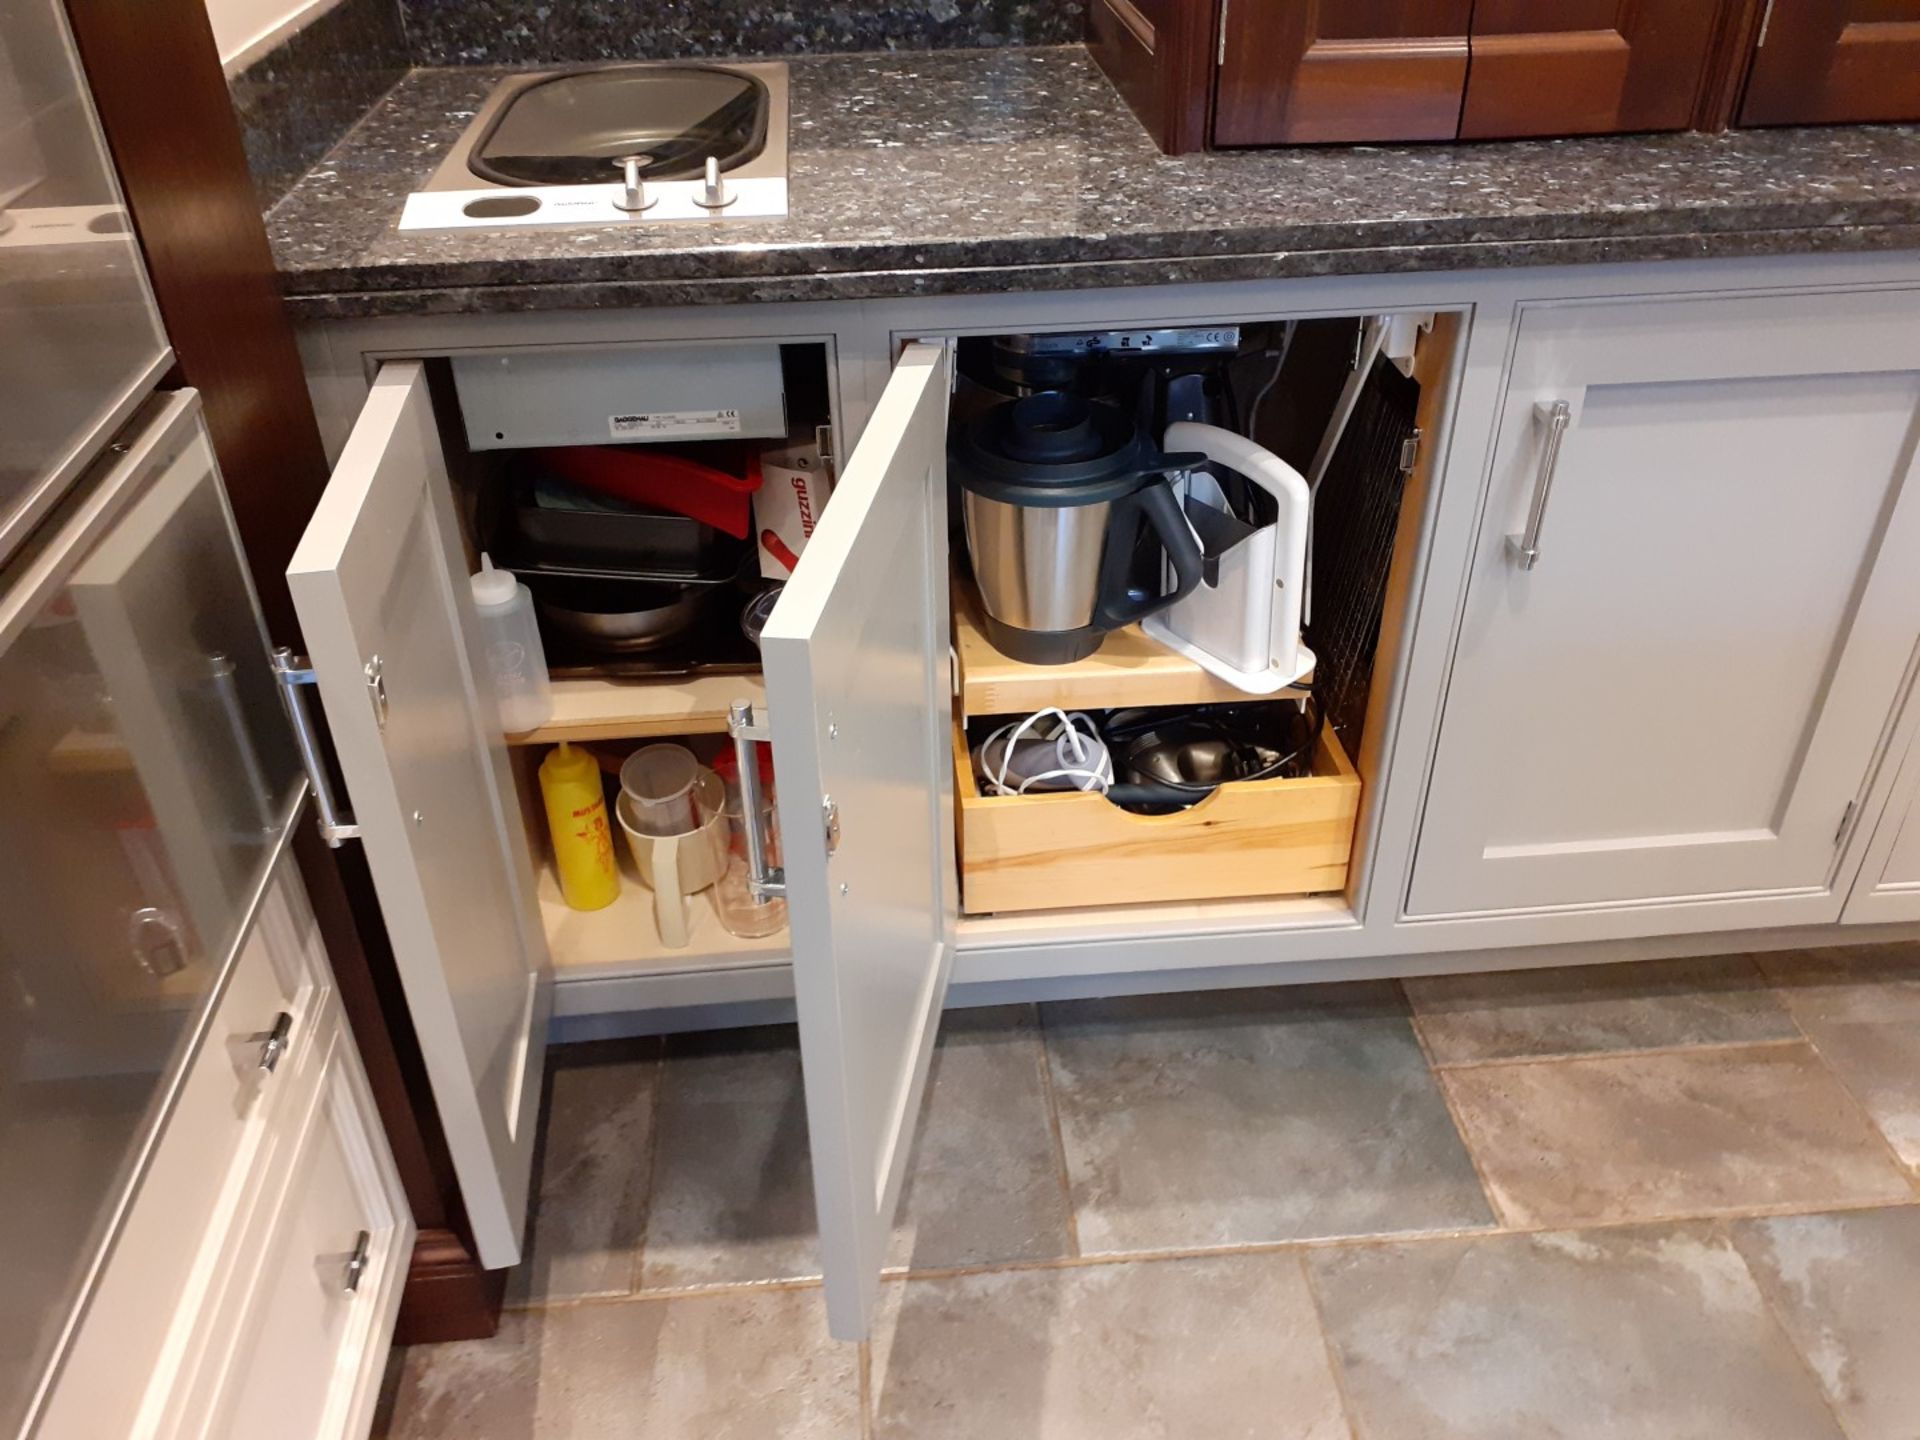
(1525,548)
(357,1262)
(765,880)
(221,673)
(335,825)
(273,1049)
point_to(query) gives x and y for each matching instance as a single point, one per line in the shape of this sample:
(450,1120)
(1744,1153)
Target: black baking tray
(610,538)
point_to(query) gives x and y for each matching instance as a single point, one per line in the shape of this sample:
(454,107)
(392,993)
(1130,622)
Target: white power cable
(1083,757)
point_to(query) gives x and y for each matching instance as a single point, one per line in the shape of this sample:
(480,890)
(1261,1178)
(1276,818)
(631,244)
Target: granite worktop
(989,170)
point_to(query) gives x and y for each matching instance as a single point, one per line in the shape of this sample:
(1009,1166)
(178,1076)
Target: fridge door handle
(336,826)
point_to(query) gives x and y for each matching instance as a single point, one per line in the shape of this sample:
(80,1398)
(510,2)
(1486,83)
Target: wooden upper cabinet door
(1585,67)
(1299,71)
(1836,61)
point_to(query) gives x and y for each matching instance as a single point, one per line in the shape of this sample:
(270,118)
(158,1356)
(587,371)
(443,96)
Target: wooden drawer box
(1063,851)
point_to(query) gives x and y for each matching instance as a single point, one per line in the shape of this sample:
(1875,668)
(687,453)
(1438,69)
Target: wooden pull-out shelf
(642,709)
(1065,851)
(1128,669)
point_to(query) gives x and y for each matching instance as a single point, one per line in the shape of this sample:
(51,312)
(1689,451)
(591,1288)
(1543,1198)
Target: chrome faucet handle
(714,194)
(634,197)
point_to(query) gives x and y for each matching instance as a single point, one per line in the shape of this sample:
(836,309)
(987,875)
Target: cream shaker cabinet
(1692,603)
(1679,696)
(1888,889)
(856,684)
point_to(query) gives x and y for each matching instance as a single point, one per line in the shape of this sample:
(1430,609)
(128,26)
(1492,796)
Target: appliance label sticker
(674,422)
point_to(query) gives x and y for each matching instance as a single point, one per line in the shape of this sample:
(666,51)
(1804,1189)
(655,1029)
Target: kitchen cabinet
(1296,72)
(1831,61)
(1303,72)
(856,679)
(1692,606)
(1888,889)
(1654,732)
(1584,67)
(253,1284)
(380,587)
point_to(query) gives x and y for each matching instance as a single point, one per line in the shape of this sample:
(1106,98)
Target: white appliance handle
(1287,486)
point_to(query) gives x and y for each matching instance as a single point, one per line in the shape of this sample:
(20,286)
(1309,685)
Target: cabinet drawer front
(1683,694)
(183,1210)
(1064,851)
(310,1325)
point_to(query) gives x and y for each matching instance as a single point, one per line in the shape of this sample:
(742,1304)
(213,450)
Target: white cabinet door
(859,700)
(1682,696)
(1888,889)
(380,586)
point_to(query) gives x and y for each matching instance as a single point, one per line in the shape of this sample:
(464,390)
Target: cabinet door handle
(357,1262)
(765,880)
(1525,547)
(274,1047)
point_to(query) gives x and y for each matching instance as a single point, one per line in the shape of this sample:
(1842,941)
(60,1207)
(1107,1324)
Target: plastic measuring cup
(659,780)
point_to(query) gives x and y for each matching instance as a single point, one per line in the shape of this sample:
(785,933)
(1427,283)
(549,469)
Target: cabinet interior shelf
(595,709)
(623,938)
(1129,669)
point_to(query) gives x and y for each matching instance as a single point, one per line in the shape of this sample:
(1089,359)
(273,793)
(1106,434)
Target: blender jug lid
(1055,450)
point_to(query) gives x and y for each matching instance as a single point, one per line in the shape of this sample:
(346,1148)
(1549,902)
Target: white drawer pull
(275,1045)
(357,1262)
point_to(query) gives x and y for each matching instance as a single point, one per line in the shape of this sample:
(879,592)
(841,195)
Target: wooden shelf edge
(1129,669)
(623,940)
(642,709)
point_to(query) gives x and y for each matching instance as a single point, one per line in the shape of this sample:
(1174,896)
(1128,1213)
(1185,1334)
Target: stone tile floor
(1677,1200)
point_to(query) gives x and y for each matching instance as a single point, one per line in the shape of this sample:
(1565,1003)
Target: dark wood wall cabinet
(1228,73)
(1833,61)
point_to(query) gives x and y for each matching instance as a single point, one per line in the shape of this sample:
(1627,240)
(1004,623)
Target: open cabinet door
(379,582)
(860,710)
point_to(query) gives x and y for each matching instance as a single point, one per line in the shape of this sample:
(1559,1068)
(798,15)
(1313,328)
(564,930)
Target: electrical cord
(1084,758)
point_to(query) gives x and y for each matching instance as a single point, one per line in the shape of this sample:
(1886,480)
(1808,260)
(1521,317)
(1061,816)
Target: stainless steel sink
(616,144)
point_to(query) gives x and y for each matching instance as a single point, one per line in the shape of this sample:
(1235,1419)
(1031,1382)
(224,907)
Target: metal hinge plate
(1410,452)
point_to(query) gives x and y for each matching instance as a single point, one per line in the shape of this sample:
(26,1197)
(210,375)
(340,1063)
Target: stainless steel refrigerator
(148,779)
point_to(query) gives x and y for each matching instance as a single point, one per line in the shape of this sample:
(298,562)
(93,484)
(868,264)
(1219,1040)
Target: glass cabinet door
(146,775)
(80,339)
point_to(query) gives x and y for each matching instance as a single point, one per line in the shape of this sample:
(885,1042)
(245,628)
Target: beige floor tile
(1580,1010)
(736,1366)
(1246,1116)
(1625,1137)
(984,1184)
(590,1204)
(732,1180)
(1656,1334)
(1847,1288)
(1861,1009)
(1223,1347)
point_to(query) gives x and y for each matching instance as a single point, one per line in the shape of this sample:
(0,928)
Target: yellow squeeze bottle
(582,839)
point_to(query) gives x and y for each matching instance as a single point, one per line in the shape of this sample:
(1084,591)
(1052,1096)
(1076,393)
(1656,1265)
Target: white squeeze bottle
(510,639)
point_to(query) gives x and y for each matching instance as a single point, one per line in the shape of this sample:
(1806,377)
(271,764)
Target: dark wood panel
(162,100)
(1729,58)
(1303,71)
(1585,67)
(1836,61)
(1159,55)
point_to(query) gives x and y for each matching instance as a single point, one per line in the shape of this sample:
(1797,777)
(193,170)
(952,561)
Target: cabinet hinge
(1221,58)
(294,676)
(1410,452)
(1846,823)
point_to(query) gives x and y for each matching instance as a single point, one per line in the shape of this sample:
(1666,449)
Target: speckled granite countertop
(967,171)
